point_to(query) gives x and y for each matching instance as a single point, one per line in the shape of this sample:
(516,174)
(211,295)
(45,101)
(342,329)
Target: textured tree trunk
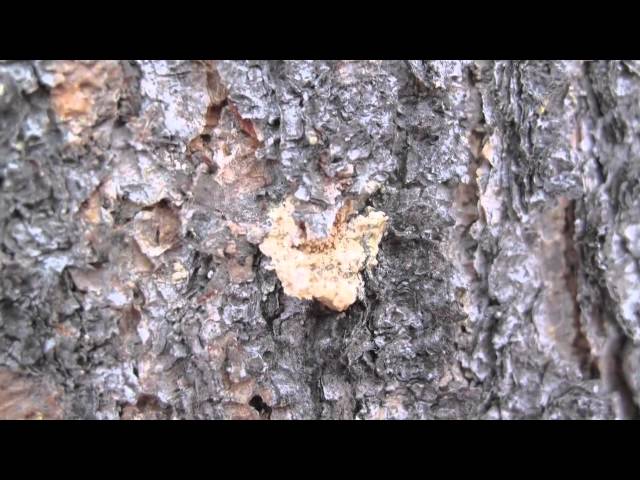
(142,274)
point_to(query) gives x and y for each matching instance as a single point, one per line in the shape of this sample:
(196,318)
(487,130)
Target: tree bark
(136,197)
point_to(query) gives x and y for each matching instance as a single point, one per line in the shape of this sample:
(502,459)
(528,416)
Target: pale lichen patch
(327,270)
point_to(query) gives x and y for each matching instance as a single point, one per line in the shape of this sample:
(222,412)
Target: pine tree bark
(135,197)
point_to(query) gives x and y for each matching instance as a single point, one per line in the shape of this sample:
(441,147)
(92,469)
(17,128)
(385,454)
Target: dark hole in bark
(260,405)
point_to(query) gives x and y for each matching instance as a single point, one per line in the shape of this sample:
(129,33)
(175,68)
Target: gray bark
(134,197)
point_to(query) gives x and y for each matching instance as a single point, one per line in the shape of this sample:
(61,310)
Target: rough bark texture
(135,195)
